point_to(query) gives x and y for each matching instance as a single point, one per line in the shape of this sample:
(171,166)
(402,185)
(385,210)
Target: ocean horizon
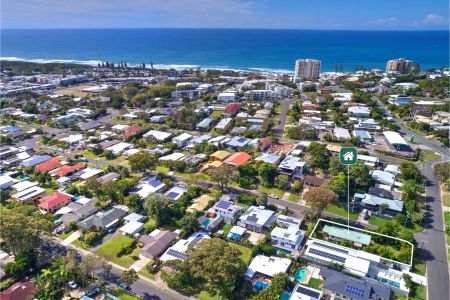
(263,50)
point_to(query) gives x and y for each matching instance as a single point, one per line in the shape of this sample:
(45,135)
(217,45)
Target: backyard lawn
(377,221)
(246,253)
(204,295)
(161,169)
(226,228)
(110,249)
(216,114)
(337,210)
(269,191)
(315,283)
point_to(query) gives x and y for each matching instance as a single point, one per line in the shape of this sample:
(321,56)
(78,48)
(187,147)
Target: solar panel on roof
(177,254)
(241,140)
(223,204)
(172,195)
(331,247)
(252,218)
(308,292)
(353,290)
(327,255)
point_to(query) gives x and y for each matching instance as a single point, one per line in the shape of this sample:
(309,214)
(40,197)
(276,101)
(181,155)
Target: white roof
(28,193)
(223,123)
(291,234)
(133,217)
(89,172)
(341,133)
(392,169)
(368,158)
(267,265)
(159,135)
(257,215)
(23,185)
(394,138)
(182,245)
(120,127)
(183,137)
(237,230)
(131,227)
(174,156)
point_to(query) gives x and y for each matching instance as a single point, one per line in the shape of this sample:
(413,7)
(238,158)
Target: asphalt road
(283,116)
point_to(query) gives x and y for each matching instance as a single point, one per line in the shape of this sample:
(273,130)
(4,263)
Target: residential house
(156,242)
(49,165)
(6,181)
(219,155)
(148,186)
(35,160)
(237,159)
(237,142)
(199,204)
(363,135)
(359,111)
(266,267)
(21,185)
(205,124)
(292,166)
(257,218)
(178,250)
(133,224)
(341,286)
(176,192)
(314,181)
(302,292)
(55,201)
(182,139)
(374,203)
(76,210)
(132,130)
(160,136)
(288,239)
(268,158)
(67,170)
(28,195)
(18,291)
(109,177)
(232,109)
(104,219)
(223,124)
(227,210)
(341,134)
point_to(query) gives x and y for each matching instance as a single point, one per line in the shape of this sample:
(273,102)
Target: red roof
(49,165)
(18,291)
(232,108)
(53,200)
(66,170)
(132,130)
(238,159)
(265,142)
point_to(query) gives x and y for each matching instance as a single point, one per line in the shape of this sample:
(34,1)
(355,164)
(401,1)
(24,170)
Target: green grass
(246,253)
(294,197)
(269,191)
(161,169)
(216,114)
(80,244)
(49,191)
(447,217)
(64,235)
(226,228)
(204,295)
(418,292)
(144,272)
(377,221)
(337,210)
(110,249)
(429,155)
(315,283)
(89,154)
(122,295)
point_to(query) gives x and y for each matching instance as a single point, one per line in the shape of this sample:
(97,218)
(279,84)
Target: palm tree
(384,207)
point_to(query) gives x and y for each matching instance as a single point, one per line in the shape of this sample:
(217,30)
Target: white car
(72,284)
(273,196)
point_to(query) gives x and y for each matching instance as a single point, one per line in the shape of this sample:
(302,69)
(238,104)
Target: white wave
(156,66)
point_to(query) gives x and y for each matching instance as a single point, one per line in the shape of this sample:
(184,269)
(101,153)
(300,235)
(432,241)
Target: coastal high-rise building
(306,69)
(401,65)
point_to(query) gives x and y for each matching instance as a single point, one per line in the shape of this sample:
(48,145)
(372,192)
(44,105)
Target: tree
(109,155)
(21,264)
(410,171)
(360,175)
(128,277)
(247,175)
(275,290)
(267,173)
(411,190)
(408,280)
(222,175)
(384,207)
(217,263)
(303,132)
(23,232)
(142,161)
(157,207)
(262,199)
(319,155)
(189,224)
(442,171)
(320,198)
(338,184)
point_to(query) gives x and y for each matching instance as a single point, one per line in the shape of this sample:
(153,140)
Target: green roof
(346,234)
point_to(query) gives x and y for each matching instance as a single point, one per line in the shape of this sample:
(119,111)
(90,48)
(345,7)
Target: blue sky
(289,14)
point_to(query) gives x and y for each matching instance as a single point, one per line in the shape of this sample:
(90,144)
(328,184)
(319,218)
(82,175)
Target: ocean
(240,49)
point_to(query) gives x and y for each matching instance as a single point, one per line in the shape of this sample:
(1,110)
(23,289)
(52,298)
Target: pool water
(301,274)
(206,222)
(285,296)
(388,281)
(260,285)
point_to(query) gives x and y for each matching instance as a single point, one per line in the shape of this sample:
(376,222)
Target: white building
(178,251)
(182,139)
(158,135)
(257,218)
(227,96)
(307,69)
(226,209)
(269,266)
(288,239)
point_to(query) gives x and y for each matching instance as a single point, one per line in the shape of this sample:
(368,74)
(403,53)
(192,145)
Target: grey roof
(111,176)
(156,245)
(89,125)
(35,160)
(378,201)
(238,141)
(354,288)
(102,219)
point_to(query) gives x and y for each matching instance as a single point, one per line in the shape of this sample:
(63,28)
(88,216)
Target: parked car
(72,284)
(273,196)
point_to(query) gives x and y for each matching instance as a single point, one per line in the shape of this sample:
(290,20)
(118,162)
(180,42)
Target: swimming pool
(206,222)
(261,285)
(285,296)
(301,274)
(389,281)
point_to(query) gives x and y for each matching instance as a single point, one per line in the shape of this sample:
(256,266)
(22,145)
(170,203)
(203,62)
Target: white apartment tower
(307,69)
